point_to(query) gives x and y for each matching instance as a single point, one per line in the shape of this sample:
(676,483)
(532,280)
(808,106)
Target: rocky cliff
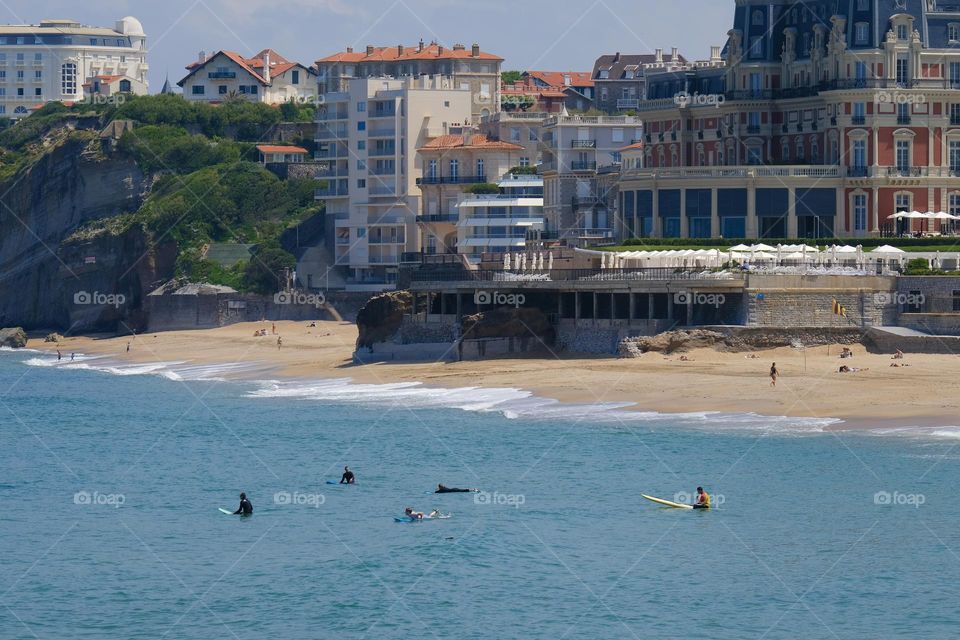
(48,281)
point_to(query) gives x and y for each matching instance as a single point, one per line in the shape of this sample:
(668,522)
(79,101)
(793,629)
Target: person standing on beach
(774,374)
(128,347)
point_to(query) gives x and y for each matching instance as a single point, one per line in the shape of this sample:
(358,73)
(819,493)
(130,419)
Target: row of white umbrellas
(534,261)
(917,215)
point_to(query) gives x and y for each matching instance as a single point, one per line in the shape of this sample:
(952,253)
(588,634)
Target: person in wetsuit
(246,509)
(347,477)
(443,489)
(703,499)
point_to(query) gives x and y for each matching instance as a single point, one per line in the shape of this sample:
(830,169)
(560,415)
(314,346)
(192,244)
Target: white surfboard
(667,503)
(226,511)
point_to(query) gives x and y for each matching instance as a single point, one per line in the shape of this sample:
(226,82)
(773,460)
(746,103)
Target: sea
(112,476)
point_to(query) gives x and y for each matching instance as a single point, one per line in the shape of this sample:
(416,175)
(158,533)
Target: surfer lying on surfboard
(418,515)
(443,489)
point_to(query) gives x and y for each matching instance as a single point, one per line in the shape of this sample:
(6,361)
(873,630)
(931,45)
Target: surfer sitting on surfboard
(443,489)
(703,499)
(348,477)
(246,509)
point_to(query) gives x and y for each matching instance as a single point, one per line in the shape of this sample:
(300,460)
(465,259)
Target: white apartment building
(368,137)
(54,60)
(266,77)
(501,223)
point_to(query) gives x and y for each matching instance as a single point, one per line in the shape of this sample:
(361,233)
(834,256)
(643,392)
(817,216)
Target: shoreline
(708,381)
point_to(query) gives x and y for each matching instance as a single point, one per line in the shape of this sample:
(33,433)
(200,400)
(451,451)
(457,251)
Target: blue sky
(531,34)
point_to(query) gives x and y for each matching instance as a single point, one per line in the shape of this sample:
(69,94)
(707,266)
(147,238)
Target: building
(112,86)
(368,138)
(526,95)
(470,69)
(620,79)
(581,169)
(53,61)
(281,154)
(821,123)
(577,86)
(267,77)
(517,127)
(491,225)
(454,165)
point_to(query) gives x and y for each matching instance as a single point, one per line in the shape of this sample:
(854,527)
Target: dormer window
(863,5)
(902,32)
(605,74)
(953,32)
(862,33)
(758,18)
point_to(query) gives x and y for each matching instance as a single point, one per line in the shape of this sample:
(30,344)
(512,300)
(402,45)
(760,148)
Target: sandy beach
(706,380)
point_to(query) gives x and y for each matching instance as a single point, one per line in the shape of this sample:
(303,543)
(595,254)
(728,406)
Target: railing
(382,152)
(628,103)
(452,180)
(382,132)
(579,165)
(588,201)
(578,120)
(388,190)
(383,171)
(331,192)
(328,133)
(594,233)
(753,128)
(741,171)
(858,120)
(903,119)
(583,144)
(222,75)
(439,217)
(331,154)
(858,172)
(906,172)
(568,275)
(332,116)
(383,113)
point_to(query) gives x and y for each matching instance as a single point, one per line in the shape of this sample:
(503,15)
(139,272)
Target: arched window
(758,18)
(20,111)
(125,86)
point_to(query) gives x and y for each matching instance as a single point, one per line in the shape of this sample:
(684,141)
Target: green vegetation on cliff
(207,186)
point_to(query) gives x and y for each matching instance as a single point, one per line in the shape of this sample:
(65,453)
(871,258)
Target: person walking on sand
(274,328)
(128,347)
(279,342)
(774,374)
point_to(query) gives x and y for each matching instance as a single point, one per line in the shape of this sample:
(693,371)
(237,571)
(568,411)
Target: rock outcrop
(737,339)
(509,322)
(53,337)
(670,342)
(14,338)
(381,318)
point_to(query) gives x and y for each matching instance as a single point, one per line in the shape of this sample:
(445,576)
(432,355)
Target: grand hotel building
(827,117)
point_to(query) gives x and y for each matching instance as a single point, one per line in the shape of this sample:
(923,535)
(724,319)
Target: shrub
(483,188)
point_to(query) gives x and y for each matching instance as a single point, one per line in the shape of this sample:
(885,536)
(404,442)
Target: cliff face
(41,277)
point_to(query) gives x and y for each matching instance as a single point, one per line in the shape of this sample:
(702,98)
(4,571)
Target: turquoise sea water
(111,476)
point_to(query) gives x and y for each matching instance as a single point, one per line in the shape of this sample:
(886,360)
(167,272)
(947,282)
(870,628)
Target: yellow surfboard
(667,503)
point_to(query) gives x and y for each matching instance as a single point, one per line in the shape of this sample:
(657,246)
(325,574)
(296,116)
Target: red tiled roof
(276,148)
(557,78)
(479,141)
(394,54)
(254,66)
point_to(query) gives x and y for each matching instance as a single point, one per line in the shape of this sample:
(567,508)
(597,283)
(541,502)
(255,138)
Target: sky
(532,34)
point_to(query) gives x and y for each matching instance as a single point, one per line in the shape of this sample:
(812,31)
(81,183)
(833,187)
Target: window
(454,169)
(785,151)
(20,91)
(955,157)
(20,75)
(860,69)
(903,70)
(222,90)
(481,170)
(361,165)
(956,300)
(3,108)
(3,91)
(860,154)
(618,135)
(362,232)
(863,5)
(954,204)
(860,212)
(362,125)
(125,86)
(361,145)
(361,183)
(902,32)
(295,76)
(533,135)
(515,134)
(432,170)
(955,114)
(38,92)
(524,161)
(953,32)
(903,113)
(38,75)
(199,89)
(3,75)
(758,18)
(801,153)
(861,33)
(68,79)
(38,57)
(902,202)
(859,112)
(955,75)
(604,74)
(361,107)
(756,47)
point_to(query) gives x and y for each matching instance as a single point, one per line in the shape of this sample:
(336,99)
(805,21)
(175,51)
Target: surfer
(246,509)
(443,489)
(347,477)
(703,499)
(419,515)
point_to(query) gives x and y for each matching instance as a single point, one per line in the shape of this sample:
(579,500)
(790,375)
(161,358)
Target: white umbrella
(740,248)
(763,247)
(506,261)
(888,249)
(550,263)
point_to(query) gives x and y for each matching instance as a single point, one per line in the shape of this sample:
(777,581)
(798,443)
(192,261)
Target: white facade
(499,224)
(369,136)
(53,60)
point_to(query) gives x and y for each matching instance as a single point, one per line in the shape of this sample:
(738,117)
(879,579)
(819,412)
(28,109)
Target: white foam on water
(946,432)
(177,370)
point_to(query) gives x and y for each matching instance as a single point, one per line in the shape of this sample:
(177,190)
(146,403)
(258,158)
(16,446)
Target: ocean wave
(173,370)
(945,432)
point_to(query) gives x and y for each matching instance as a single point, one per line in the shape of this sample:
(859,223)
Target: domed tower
(133,29)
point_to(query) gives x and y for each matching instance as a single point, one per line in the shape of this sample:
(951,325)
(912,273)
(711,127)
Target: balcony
(222,75)
(581,165)
(589,201)
(451,180)
(332,192)
(383,113)
(383,171)
(439,217)
(753,129)
(739,172)
(383,190)
(331,154)
(858,120)
(903,119)
(583,144)
(858,172)
(331,133)
(386,151)
(382,132)
(906,172)
(628,103)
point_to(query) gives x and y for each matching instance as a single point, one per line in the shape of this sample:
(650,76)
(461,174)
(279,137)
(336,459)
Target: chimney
(467,136)
(616,58)
(266,67)
(421,45)
(202,57)
(369,49)
(675,55)
(659,57)
(715,54)
(475,52)
(349,49)
(440,50)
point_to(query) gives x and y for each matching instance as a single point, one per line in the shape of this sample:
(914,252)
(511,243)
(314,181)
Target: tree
(511,77)
(266,268)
